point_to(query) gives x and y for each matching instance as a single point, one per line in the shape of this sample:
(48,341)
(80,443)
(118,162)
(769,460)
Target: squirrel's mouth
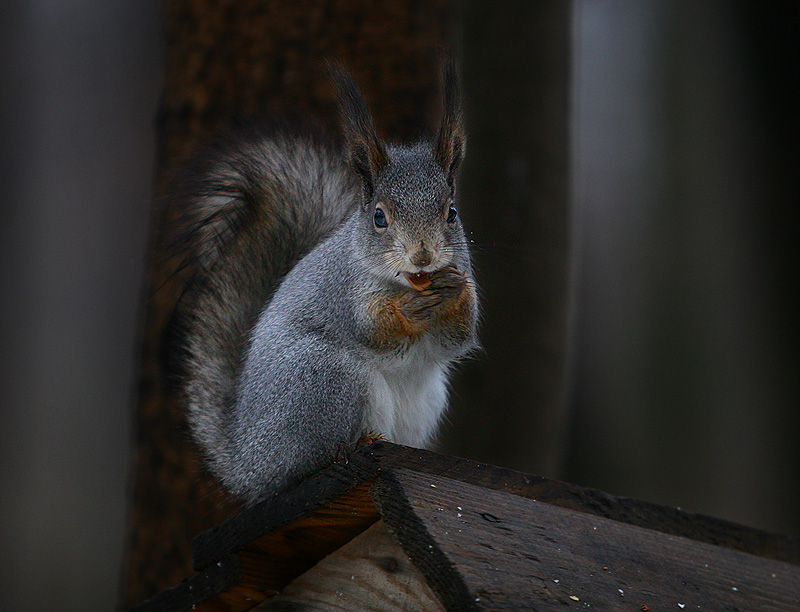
(418,280)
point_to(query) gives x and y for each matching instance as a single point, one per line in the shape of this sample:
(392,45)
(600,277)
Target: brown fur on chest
(444,310)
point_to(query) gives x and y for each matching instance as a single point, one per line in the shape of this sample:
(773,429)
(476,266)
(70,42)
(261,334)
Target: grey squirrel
(332,292)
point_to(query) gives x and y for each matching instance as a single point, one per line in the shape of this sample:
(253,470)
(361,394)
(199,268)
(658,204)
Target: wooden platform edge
(673,521)
(398,514)
(336,480)
(271,514)
(217,579)
(482,549)
(252,535)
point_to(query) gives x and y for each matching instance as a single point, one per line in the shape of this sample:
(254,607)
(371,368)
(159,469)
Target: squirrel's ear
(452,139)
(365,151)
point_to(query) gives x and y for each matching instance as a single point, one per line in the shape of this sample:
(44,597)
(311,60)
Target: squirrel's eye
(452,213)
(380,218)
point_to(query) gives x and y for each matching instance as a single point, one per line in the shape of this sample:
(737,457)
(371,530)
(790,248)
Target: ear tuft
(366,152)
(452,139)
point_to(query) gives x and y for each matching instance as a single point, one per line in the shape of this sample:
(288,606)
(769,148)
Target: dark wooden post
(224,58)
(509,405)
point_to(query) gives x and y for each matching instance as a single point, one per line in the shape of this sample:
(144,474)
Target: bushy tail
(261,198)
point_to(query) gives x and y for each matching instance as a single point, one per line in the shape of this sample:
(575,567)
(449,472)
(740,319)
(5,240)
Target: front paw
(344,450)
(446,307)
(367,438)
(447,295)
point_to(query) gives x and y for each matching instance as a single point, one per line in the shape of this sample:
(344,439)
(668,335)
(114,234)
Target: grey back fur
(256,202)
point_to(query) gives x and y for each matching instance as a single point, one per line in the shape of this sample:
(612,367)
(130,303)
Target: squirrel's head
(408,206)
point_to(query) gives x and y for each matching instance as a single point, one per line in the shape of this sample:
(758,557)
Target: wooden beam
(481,549)
(314,494)
(221,577)
(278,540)
(370,573)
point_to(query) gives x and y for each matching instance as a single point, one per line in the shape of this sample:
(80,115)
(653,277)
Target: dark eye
(380,218)
(452,213)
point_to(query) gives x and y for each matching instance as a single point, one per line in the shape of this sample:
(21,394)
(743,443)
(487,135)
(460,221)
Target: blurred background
(684,356)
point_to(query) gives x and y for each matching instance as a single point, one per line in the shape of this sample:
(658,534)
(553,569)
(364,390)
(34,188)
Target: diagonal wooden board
(371,572)
(316,495)
(481,549)
(268,545)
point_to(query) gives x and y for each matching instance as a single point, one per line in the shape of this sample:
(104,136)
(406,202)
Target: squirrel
(331,292)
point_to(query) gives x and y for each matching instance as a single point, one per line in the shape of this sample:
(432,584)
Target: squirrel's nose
(422,257)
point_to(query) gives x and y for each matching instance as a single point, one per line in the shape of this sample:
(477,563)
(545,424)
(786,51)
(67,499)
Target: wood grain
(675,521)
(316,496)
(484,550)
(222,576)
(277,541)
(370,573)
(320,507)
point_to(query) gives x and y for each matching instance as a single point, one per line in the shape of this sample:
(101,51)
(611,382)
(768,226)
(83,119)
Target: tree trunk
(225,58)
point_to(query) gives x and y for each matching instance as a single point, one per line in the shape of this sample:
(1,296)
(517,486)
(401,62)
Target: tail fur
(260,199)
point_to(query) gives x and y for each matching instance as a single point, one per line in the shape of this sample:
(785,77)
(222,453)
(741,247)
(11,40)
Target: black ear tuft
(452,139)
(359,160)
(365,151)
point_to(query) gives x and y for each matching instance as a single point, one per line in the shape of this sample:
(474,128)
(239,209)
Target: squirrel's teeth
(419,280)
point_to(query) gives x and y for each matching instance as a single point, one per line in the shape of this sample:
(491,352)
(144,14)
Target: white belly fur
(409,395)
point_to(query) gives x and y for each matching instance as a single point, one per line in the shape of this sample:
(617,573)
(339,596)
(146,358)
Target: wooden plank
(674,521)
(369,574)
(274,559)
(269,562)
(192,592)
(481,549)
(277,540)
(313,495)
